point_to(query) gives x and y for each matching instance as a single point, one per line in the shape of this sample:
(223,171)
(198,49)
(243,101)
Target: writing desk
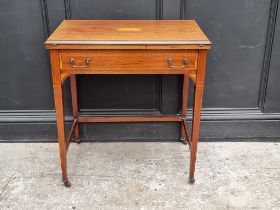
(128,47)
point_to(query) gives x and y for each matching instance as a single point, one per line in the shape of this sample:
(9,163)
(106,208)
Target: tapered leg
(184,106)
(195,129)
(73,85)
(198,96)
(58,101)
(58,98)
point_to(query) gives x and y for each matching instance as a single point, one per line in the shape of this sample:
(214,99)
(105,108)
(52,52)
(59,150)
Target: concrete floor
(140,176)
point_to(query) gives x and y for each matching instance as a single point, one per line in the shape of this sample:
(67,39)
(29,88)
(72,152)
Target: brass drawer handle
(185,61)
(72,62)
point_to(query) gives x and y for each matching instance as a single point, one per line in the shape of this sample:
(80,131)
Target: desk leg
(184,106)
(58,101)
(195,129)
(73,85)
(58,97)
(198,96)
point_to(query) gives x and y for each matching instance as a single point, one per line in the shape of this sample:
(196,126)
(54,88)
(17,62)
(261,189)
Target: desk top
(127,32)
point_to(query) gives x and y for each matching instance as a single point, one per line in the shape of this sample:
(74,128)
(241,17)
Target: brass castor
(67,184)
(191,180)
(184,141)
(78,141)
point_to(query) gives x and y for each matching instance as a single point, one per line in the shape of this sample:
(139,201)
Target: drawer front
(129,60)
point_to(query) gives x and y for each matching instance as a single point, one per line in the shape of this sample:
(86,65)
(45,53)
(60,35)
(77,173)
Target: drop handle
(72,62)
(171,63)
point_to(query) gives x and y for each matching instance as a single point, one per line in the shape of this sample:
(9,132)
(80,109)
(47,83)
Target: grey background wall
(242,94)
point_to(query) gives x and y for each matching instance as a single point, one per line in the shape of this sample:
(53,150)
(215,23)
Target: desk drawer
(128,60)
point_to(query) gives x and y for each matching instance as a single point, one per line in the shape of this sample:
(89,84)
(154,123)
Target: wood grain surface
(111,32)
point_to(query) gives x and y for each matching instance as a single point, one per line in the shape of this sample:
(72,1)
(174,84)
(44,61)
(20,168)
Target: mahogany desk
(128,47)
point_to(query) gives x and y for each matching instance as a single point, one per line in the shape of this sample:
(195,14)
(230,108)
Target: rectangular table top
(128,32)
